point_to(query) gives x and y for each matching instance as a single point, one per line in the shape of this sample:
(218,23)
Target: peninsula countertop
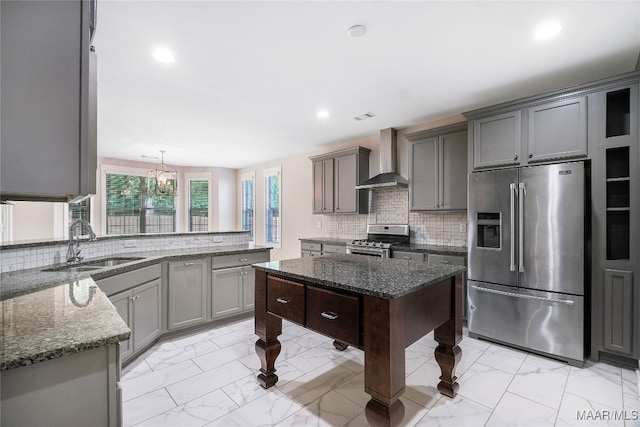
(387,278)
(48,314)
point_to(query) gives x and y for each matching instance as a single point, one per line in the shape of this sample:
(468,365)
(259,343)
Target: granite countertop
(51,323)
(326,240)
(48,314)
(411,247)
(387,278)
(22,282)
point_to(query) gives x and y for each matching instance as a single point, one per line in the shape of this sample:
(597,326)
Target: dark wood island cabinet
(378,305)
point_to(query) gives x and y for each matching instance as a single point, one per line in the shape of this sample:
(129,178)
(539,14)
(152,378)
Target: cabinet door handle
(329,315)
(530,155)
(282,300)
(189,263)
(515,157)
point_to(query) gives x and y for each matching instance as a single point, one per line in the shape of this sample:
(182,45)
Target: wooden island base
(386,328)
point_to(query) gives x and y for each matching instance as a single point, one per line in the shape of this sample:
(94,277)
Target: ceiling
(249,77)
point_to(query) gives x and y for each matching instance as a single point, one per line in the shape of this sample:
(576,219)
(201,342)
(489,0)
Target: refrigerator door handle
(523,296)
(512,190)
(522,191)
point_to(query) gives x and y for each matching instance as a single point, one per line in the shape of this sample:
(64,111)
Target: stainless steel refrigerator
(527,255)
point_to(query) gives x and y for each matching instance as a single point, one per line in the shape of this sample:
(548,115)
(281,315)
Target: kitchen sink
(110,262)
(95,264)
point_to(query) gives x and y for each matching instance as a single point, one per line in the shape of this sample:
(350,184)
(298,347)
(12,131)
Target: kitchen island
(378,305)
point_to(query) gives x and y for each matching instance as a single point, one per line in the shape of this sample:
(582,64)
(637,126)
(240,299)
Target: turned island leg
(384,366)
(267,327)
(448,335)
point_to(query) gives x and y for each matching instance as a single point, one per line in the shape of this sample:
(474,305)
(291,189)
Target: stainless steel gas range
(380,238)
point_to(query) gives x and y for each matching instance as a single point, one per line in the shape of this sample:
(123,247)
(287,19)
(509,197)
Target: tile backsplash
(391,206)
(41,255)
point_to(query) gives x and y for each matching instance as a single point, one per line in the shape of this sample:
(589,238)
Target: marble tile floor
(209,379)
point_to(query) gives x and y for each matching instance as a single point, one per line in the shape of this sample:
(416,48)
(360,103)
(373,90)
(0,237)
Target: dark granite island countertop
(379,305)
(387,278)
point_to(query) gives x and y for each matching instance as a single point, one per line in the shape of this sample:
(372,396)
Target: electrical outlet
(217,239)
(462,227)
(130,244)
(319,224)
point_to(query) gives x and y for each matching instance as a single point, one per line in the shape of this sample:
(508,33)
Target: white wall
(38,220)
(297,219)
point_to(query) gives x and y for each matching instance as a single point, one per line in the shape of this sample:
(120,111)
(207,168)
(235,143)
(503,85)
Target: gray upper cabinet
(323,186)
(497,140)
(188,287)
(558,130)
(438,169)
(335,176)
(546,128)
(48,117)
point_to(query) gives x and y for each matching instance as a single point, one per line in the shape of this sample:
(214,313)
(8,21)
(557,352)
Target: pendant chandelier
(161,181)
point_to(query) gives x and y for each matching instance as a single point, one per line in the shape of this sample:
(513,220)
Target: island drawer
(334,249)
(334,314)
(236,260)
(286,299)
(310,246)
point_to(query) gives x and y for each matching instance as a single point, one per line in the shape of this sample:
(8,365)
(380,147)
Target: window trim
(276,170)
(249,176)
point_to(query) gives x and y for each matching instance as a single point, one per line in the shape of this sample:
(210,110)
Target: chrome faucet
(73,252)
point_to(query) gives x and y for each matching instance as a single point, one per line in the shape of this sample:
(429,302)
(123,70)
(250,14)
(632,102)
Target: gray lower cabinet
(310,248)
(140,308)
(188,286)
(411,256)
(227,291)
(438,169)
(48,120)
(233,283)
(137,295)
(79,389)
(618,312)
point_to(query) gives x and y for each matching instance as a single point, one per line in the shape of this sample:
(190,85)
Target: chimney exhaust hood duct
(388,161)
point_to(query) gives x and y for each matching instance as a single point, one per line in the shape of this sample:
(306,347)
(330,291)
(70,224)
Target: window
(248,201)
(131,211)
(199,205)
(272,211)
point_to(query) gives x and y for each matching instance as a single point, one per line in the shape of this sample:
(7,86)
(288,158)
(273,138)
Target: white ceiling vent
(364,116)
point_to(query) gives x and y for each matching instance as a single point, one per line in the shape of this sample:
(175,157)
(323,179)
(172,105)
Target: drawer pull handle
(406,257)
(329,315)
(244,259)
(282,300)
(444,261)
(189,263)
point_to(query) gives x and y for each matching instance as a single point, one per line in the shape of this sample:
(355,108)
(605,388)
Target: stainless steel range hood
(388,177)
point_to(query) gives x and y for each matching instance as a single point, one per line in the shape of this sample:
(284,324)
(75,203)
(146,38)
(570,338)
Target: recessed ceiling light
(357,31)
(163,54)
(547,31)
(322,114)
